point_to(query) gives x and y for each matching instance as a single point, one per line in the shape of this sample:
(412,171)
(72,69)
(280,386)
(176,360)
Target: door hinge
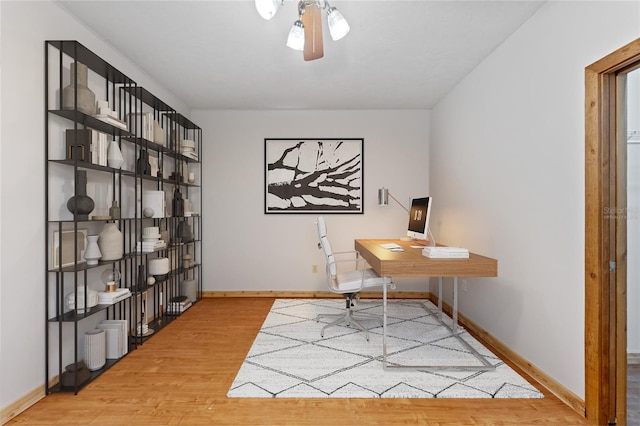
(612,266)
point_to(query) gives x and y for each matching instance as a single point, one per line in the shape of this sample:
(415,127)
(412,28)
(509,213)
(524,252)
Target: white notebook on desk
(445,252)
(390,246)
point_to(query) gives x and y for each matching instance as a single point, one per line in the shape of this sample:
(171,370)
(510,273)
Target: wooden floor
(181,377)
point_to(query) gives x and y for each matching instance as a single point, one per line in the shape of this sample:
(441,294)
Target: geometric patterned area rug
(289,358)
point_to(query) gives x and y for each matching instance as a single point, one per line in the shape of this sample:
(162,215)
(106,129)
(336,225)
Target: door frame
(605,237)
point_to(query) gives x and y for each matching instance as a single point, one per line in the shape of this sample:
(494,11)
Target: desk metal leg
(384,326)
(454,326)
(440,298)
(453,329)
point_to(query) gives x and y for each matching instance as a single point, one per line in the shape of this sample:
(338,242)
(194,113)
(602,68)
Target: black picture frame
(317,176)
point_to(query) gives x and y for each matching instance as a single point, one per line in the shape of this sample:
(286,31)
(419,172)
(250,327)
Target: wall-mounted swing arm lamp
(383,200)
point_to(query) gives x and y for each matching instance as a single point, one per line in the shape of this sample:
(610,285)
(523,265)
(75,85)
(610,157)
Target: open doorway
(606,210)
(633,246)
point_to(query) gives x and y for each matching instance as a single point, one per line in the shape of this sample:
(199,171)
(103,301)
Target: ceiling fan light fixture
(268,8)
(338,26)
(306,32)
(296,36)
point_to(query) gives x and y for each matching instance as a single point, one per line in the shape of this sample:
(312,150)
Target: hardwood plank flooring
(182,374)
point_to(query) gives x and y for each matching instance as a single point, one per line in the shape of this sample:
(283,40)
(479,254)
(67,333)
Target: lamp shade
(383,197)
(338,26)
(268,8)
(296,36)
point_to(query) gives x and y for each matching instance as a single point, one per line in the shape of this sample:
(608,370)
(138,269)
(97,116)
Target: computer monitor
(419,218)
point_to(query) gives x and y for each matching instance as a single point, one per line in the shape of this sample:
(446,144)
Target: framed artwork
(313,176)
(62,247)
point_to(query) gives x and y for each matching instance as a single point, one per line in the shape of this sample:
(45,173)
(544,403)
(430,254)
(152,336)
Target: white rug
(289,359)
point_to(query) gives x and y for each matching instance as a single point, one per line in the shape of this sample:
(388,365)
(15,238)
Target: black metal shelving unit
(64,324)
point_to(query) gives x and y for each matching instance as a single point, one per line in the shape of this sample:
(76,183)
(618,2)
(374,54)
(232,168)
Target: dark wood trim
(604,291)
(619,301)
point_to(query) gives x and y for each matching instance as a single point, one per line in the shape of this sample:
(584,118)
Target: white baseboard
(633,358)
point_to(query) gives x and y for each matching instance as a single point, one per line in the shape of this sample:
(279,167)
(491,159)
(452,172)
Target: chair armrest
(347,252)
(355,257)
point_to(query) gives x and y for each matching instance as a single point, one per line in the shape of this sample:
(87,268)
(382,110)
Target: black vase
(143,166)
(178,203)
(184,232)
(142,279)
(80,204)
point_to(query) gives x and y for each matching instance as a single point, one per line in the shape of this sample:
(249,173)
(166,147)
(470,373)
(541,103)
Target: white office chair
(348,283)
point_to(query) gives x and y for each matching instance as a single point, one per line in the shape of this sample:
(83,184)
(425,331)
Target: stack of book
(108,115)
(143,329)
(117,337)
(150,246)
(111,297)
(178,305)
(445,252)
(142,124)
(189,148)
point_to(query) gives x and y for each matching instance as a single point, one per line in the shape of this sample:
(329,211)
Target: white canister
(95,349)
(159,266)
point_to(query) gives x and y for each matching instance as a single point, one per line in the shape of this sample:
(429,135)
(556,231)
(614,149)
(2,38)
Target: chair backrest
(326,247)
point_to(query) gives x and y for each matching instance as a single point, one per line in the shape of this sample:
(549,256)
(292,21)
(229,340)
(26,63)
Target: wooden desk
(411,263)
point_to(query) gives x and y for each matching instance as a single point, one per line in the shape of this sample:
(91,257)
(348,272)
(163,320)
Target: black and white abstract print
(313,175)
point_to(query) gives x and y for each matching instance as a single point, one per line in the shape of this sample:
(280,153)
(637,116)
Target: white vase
(111,242)
(114,156)
(92,252)
(95,351)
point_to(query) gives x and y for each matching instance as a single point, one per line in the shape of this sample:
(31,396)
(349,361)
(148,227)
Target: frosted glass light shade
(268,8)
(338,26)
(296,36)
(110,276)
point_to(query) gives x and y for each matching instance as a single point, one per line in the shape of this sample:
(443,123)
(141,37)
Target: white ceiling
(223,55)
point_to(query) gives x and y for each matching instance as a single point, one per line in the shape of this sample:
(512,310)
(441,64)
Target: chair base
(349,318)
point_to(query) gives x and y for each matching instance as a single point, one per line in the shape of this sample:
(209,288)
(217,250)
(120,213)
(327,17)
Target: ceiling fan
(306,32)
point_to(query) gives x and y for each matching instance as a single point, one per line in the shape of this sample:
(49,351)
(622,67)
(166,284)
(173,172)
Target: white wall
(245,249)
(507,169)
(25,25)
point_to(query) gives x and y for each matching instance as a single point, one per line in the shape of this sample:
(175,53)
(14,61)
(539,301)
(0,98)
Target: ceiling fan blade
(312,20)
